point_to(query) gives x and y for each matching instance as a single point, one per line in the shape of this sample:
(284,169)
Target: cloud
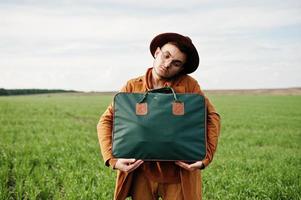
(67,44)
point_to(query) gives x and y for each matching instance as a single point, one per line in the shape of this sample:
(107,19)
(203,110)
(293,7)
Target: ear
(157,52)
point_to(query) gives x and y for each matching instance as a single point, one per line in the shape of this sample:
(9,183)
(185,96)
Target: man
(175,56)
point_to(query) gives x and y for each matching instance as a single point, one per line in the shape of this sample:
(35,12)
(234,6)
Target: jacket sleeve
(213,128)
(104,132)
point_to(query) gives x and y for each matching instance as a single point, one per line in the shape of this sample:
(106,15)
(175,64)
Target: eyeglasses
(165,55)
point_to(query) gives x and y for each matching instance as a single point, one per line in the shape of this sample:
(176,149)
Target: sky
(97,45)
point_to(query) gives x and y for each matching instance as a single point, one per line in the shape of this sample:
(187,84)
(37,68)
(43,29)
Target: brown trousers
(143,188)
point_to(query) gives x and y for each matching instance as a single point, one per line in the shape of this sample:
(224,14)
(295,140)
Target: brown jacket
(191,181)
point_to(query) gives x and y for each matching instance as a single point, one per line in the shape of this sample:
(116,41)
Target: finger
(182,164)
(122,163)
(196,165)
(128,161)
(179,163)
(139,162)
(131,167)
(135,166)
(186,166)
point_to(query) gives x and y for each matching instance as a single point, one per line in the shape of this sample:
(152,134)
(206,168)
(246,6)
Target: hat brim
(192,61)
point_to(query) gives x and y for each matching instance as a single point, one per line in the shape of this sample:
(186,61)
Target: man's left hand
(190,167)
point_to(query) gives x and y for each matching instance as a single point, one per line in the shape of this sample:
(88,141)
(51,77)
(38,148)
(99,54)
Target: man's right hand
(127,165)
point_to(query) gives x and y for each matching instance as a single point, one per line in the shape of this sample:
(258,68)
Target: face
(169,61)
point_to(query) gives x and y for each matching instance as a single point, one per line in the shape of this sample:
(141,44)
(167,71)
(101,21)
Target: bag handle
(177,106)
(160,90)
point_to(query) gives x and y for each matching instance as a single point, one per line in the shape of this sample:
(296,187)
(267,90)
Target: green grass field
(49,148)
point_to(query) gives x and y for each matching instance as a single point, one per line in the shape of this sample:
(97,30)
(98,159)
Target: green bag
(159,126)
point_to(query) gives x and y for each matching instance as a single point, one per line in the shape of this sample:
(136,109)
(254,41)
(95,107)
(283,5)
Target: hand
(190,167)
(127,165)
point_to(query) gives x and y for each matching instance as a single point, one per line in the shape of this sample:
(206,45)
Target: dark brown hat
(192,61)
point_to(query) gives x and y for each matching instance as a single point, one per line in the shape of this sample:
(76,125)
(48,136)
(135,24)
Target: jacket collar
(147,80)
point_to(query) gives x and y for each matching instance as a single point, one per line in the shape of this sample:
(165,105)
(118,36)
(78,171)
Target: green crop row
(49,148)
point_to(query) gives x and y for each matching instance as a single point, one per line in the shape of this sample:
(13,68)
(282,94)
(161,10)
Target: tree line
(7,92)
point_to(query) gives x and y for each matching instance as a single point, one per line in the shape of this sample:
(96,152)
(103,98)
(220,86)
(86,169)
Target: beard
(161,72)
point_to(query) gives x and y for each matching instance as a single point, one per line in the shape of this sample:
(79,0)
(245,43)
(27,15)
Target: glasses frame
(165,55)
